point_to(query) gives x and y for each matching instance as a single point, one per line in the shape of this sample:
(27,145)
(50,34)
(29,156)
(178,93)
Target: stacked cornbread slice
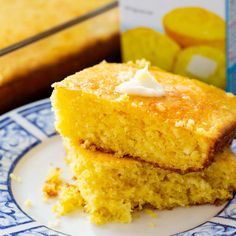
(128,150)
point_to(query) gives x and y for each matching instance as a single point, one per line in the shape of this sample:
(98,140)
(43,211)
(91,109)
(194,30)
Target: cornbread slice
(181,130)
(111,188)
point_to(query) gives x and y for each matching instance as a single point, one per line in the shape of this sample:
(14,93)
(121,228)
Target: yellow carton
(192,38)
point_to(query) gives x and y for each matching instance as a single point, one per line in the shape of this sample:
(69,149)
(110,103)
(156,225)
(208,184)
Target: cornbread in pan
(110,188)
(180,131)
(55,57)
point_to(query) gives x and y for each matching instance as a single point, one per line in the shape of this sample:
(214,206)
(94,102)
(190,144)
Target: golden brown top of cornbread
(21,19)
(187,102)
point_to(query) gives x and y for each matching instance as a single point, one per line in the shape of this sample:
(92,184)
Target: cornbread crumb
(187,150)
(53,224)
(190,123)
(53,183)
(160,107)
(123,98)
(185,97)
(152,225)
(69,199)
(28,203)
(133,104)
(200,130)
(179,123)
(151,213)
(15,178)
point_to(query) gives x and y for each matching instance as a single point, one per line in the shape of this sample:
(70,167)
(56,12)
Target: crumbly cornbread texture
(69,199)
(112,188)
(181,130)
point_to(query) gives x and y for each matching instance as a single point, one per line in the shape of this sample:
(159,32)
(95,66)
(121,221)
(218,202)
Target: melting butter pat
(202,67)
(143,84)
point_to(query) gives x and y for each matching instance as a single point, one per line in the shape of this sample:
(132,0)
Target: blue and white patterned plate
(29,146)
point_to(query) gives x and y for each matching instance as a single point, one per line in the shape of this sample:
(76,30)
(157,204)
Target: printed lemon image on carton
(183,37)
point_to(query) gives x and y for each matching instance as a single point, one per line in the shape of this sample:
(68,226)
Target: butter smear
(143,84)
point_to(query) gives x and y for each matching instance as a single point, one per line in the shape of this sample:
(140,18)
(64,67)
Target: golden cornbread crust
(225,139)
(180,131)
